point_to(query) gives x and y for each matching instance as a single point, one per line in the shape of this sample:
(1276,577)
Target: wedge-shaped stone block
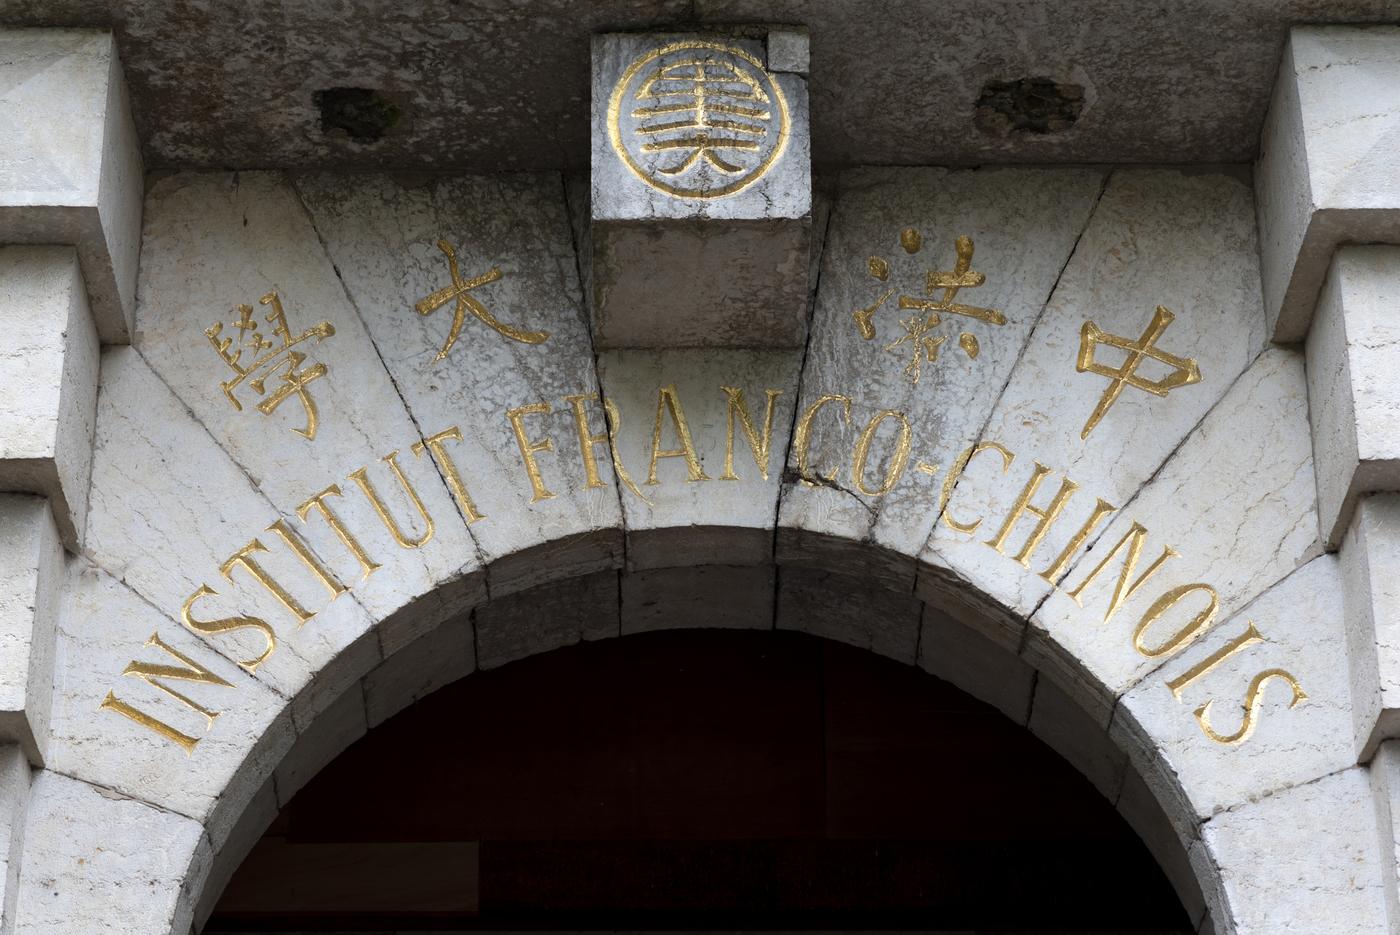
(1260,704)
(70,163)
(31,570)
(456,370)
(844,608)
(547,617)
(1370,557)
(92,857)
(880,425)
(1354,383)
(701,192)
(1303,861)
(702,597)
(1167,265)
(700,437)
(48,382)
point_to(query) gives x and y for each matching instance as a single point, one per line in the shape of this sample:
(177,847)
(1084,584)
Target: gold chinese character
(698,119)
(269,359)
(962,276)
(1183,370)
(467,303)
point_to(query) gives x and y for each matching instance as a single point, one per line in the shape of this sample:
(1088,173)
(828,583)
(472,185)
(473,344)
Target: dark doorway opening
(700,780)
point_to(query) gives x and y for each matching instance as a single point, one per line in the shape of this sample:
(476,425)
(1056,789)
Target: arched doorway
(711,780)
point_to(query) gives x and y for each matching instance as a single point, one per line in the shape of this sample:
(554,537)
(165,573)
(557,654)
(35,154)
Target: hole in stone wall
(364,114)
(1028,106)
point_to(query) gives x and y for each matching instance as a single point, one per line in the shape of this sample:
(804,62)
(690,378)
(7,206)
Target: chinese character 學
(270,359)
(460,291)
(698,119)
(1184,371)
(917,327)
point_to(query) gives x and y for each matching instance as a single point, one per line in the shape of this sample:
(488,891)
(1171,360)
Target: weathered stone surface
(48,382)
(103,629)
(70,164)
(382,232)
(94,860)
(843,608)
(1385,789)
(1322,874)
(709,252)
(1370,557)
(140,533)
(1023,224)
(1236,501)
(1073,732)
(14,801)
(1353,383)
(1157,237)
(439,658)
(342,723)
(962,655)
(31,567)
(721,509)
(706,596)
(547,617)
(1140,808)
(213,242)
(1266,743)
(256,818)
(1325,174)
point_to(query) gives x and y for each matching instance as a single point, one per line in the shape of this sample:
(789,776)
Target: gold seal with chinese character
(698,119)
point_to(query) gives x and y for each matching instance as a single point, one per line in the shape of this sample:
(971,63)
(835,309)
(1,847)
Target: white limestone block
(1370,557)
(170,508)
(1385,789)
(1326,172)
(1022,225)
(31,568)
(703,490)
(381,233)
(104,628)
(702,597)
(546,617)
(93,859)
(48,382)
(14,802)
(213,242)
(1236,501)
(1279,702)
(255,820)
(1182,240)
(701,246)
(1303,861)
(434,660)
(1354,383)
(70,162)
(961,655)
(845,609)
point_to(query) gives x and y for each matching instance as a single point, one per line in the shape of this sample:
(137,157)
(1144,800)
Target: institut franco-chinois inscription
(879,455)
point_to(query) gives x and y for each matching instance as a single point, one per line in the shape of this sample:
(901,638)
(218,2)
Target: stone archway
(274,552)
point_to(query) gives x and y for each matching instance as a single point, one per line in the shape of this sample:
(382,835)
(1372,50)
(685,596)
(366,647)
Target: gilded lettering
(1184,636)
(228,625)
(1253,703)
(1248,638)
(802,434)
(900,458)
(529,448)
(361,477)
(1060,565)
(615,426)
(152,673)
(308,558)
(668,404)
(318,503)
(1046,516)
(437,445)
(959,466)
(244,557)
(587,438)
(1122,590)
(758,444)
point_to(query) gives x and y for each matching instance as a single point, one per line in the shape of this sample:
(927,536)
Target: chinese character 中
(270,359)
(917,327)
(1184,371)
(460,291)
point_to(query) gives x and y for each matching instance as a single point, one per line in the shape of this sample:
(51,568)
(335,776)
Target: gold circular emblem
(698,119)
